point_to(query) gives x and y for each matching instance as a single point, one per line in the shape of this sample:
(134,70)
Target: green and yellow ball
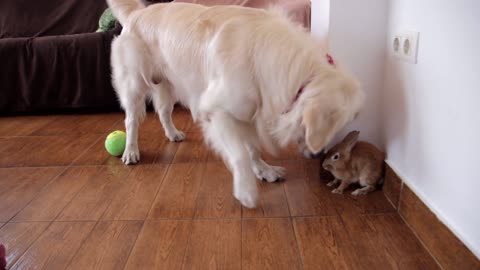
(115,143)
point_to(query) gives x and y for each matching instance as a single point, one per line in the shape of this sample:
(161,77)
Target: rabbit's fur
(354,162)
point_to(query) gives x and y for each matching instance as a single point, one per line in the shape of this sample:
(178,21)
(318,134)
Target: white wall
(320,20)
(357,33)
(426,116)
(431,110)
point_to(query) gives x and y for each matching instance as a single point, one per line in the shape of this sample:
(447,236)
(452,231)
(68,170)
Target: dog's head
(329,104)
(324,106)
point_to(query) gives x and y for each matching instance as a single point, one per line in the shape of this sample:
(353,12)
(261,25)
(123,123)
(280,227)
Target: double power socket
(405,46)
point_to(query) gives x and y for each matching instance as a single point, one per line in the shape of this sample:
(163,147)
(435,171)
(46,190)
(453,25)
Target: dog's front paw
(176,136)
(131,155)
(270,173)
(247,195)
(337,191)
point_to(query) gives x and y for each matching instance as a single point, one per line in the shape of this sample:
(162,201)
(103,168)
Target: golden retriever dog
(251,78)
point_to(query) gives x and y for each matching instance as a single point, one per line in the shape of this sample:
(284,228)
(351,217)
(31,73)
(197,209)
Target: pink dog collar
(330,59)
(297,96)
(300,91)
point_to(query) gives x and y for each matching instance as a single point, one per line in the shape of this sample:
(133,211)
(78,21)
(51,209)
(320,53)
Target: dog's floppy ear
(320,125)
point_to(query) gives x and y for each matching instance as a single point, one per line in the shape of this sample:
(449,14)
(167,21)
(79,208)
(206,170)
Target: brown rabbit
(351,162)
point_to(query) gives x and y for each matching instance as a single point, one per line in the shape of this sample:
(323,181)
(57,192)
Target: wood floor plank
(96,195)
(214,244)
(22,125)
(372,203)
(215,198)
(97,155)
(360,242)
(269,244)
(34,151)
(356,238)
(396,241)
(306,194)
(160,245)
(17,238)
(18,186)
(318,243)
(178,192)
(272,201)
(345,243)
(135,198)
(166,152)
(108,246)
(192,149)
(79,124)
(48,203)
(55,247)
(367,248)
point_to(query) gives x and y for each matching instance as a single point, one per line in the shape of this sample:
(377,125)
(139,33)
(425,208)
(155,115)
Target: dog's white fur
(237,70)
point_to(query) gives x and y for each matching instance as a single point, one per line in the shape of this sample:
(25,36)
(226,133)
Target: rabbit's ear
(350,140)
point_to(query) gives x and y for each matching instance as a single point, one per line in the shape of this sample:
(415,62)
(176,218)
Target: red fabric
(3,259)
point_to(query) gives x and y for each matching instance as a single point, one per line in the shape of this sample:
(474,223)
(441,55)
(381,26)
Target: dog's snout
(318,155)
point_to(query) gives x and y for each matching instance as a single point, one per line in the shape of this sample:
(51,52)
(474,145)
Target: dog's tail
(121,9)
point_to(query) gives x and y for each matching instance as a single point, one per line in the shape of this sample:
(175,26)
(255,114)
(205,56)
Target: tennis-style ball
(115,143)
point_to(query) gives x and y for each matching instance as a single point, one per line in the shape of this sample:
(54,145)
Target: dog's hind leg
(164,103)
(131,89)
(226,135)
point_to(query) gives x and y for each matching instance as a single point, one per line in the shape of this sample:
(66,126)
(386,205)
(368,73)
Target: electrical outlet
(405,46)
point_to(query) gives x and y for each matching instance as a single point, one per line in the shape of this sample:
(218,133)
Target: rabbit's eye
(335,157)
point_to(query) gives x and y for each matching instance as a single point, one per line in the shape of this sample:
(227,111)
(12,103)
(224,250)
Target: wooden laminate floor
(66,204)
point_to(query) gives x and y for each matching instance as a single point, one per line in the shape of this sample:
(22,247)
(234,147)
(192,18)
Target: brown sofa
(51,56)
(52,60)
